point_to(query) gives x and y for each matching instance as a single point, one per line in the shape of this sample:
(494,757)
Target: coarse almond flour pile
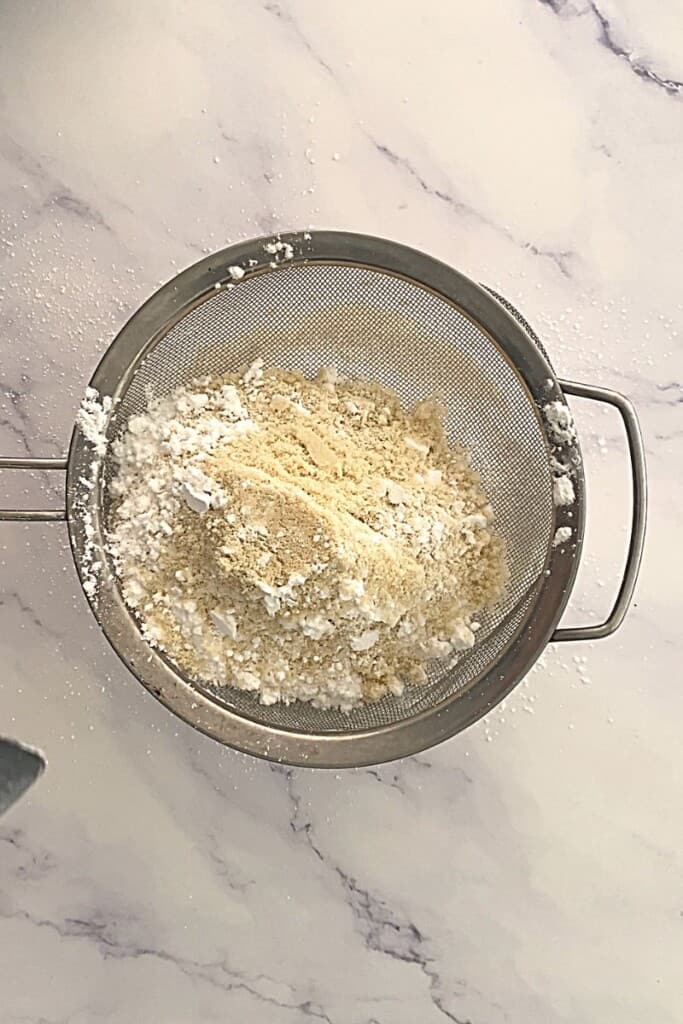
(304,539)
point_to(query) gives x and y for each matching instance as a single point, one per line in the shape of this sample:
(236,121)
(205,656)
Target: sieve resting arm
(638,515)
(33,515)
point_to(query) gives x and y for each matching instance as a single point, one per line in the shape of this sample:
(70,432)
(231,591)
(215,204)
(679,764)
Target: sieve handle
(638,515)
(46,515)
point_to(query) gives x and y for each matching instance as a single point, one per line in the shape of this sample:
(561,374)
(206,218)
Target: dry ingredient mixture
(303,539)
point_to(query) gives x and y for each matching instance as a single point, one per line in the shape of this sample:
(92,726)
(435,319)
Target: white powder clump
(559,419)
(562,535)
(563,491)
(279,535)
(563,434)
(92,418)
(280,249)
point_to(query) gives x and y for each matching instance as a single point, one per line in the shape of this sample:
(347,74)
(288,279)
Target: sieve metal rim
(137,338)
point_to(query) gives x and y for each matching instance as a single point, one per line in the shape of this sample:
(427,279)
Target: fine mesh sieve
(389,314)
(384,328)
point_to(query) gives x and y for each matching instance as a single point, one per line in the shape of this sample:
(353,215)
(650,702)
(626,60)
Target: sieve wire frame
(196,705)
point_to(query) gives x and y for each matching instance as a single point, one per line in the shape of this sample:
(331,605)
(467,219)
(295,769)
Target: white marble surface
(528,871)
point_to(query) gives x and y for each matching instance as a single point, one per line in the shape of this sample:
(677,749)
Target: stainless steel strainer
(388,313)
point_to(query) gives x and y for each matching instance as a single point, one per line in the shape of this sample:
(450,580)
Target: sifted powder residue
(562,432)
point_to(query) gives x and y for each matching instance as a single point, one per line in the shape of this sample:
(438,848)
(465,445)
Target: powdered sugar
(563,433)
(560,421)
(163,449)
(92,418)
(562,535)
(563,491)
(280,249)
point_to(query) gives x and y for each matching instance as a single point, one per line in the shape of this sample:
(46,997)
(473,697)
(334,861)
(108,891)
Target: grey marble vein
(69,202)
(639,67)
(384,929)
(286,17)
(405,164)
(608,38)
(100,930)
(671,393)
(17,432)
(562,259)
(56,192)
(19,420)
(27,609)
(33,862)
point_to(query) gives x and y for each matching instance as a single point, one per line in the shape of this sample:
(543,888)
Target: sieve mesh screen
(386,328)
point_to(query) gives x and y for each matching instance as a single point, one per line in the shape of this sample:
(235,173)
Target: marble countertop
(528,870)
